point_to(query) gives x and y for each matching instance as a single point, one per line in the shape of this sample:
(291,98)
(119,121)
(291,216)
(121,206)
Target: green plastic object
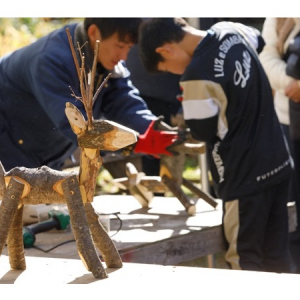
(28,237)
(64,219)
(57,220)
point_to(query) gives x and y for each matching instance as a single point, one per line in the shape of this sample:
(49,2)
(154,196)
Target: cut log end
(191,210)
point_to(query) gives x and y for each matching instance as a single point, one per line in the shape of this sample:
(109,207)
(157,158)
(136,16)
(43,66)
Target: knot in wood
(94,139)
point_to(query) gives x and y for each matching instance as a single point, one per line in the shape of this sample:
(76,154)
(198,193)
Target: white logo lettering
(218,162)
(273,172)
(242,73)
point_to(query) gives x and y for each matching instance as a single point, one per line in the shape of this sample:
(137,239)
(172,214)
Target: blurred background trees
(18,32)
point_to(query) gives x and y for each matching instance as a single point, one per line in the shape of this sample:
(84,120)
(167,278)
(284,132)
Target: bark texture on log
(102,240)
(2,181)
(201,194)
(172,166)
(41,182)
(172,185)
(85,246)
(95,138)
(90,164)
(141,193)
(15,244)
(8,209)
(107,135)
(151,183)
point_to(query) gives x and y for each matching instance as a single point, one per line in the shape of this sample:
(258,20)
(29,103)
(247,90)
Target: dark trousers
(294,191)
(256,230)
(295,141)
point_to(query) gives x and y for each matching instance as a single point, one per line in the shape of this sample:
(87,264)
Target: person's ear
(165,50)
(94,34)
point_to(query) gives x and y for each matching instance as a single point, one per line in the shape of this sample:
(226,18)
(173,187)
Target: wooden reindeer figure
(170,178)
(21,186)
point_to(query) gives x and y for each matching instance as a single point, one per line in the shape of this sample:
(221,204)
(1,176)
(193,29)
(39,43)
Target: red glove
(155,142)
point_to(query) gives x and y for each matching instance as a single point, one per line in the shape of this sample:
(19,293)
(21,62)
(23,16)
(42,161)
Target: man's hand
(293,91)
(155,142)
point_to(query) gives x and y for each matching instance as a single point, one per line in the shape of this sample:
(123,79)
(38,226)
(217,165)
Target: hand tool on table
(57,220)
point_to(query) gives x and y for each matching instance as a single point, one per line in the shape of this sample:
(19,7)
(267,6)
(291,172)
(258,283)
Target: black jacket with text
(228,104)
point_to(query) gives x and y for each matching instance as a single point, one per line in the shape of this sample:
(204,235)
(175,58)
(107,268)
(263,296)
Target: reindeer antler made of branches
(87,81)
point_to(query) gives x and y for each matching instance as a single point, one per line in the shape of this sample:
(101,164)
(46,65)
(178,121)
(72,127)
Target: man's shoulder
(59,37)
(55,45)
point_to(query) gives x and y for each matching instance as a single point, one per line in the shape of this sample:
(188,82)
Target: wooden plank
(176,250)
(161,234)
(182,248)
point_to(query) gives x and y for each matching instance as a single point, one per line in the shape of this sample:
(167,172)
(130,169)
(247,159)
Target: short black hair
(127,28)
(155,33)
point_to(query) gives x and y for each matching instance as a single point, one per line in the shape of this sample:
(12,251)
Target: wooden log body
(42,185)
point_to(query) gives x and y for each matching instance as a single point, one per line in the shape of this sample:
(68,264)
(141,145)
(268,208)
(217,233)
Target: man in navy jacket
(35,84)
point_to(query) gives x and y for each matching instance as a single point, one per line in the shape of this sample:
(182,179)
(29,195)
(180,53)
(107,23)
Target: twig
(73,52)
(87,81)
(100,87)
(93,75)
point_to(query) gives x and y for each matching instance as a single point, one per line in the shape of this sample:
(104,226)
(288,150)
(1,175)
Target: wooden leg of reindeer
(15,244)
(102,240)
(8,209)
(173,186)
(85,245)
(201,194)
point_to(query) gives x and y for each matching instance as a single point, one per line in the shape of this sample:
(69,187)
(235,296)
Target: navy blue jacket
(35,85)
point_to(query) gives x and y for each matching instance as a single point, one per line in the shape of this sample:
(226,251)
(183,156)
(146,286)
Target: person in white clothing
(278,34)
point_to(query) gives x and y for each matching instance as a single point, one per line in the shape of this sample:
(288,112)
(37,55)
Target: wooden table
(163,234)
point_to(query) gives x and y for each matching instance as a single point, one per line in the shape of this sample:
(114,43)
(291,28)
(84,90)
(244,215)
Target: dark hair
(155,33)
(127,28)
